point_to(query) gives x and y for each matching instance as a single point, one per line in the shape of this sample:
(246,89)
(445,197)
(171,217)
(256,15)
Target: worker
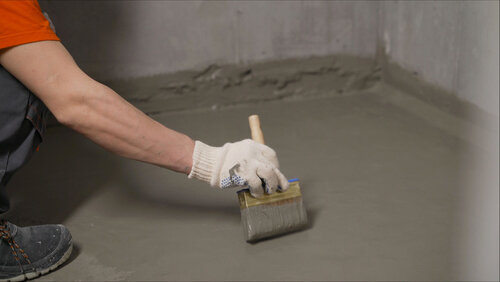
(38,75)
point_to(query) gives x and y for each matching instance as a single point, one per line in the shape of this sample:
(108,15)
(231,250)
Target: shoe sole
(31,275)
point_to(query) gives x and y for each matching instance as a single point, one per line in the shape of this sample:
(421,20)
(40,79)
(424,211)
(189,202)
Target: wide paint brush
(273,214)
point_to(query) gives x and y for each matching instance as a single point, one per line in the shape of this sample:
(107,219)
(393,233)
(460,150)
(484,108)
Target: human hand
(241,164)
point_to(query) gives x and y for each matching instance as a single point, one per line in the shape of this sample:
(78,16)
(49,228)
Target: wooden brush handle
(257,134)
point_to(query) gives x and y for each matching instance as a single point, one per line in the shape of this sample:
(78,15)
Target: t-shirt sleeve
(22,22)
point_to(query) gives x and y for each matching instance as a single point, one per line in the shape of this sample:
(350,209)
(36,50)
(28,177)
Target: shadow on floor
(174,195)
(64,174)
(74,254)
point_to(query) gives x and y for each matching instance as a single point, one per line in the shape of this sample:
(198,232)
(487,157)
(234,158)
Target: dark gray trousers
(22,124)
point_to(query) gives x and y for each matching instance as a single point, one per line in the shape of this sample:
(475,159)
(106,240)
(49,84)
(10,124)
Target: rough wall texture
(451,44)
(117,39)
(226,86)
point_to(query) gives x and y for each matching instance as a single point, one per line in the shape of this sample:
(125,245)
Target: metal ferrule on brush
(291,195)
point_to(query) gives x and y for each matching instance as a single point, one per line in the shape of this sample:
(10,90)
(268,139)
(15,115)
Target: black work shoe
(28,252)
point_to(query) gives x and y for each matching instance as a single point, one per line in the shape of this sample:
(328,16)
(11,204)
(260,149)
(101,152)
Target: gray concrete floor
(378,179)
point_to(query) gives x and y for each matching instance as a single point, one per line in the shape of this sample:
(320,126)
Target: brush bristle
(272,215)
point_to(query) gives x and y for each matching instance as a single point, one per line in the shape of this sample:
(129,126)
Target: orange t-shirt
(23,22)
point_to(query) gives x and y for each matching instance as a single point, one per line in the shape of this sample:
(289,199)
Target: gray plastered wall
(451,44)
(120,39)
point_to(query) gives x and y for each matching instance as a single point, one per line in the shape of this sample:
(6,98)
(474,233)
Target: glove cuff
(204,161)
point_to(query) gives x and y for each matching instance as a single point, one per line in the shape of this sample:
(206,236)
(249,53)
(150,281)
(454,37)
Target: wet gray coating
(379,177)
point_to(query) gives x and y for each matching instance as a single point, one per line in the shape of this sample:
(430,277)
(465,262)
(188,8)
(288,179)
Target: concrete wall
(453,44)
(478,71)
(116,39)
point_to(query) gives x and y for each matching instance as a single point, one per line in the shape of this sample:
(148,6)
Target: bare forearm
(110,121)
(93,109)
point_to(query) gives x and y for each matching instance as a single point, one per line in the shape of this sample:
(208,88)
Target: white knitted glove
(242,164)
